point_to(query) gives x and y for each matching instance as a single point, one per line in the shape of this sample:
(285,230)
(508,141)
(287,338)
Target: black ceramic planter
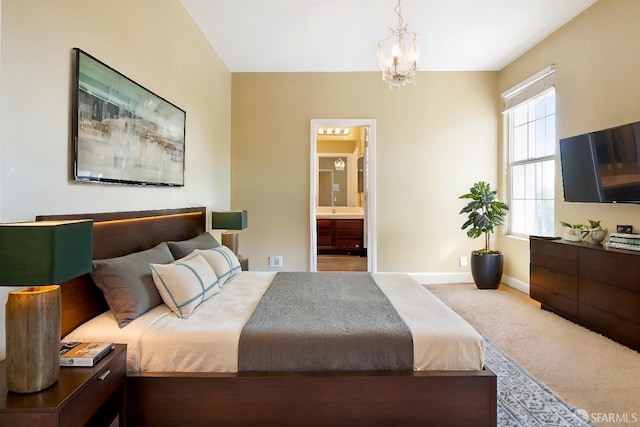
(486,270)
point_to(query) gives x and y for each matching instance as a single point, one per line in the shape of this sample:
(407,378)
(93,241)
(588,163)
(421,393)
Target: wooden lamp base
(32,322)
(231,240)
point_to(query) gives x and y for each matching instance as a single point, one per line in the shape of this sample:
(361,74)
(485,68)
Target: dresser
(588,284)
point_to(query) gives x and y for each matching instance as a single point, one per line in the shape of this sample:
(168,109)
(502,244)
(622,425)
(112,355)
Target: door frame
(369,197)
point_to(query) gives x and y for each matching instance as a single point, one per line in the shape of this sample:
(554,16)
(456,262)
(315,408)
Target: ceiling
(339,35)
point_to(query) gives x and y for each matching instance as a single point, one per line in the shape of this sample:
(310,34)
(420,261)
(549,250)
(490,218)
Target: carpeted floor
(589,371)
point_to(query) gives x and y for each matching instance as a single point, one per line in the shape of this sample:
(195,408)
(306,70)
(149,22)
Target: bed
(159,395)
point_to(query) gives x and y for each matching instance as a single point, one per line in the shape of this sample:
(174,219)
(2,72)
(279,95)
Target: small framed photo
(628,229)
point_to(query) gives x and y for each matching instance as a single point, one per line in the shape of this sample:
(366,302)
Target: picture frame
(122,132)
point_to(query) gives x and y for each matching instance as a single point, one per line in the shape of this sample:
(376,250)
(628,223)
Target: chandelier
(398,54)
(339,164)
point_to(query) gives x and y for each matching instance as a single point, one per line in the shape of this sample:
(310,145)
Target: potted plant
(485,213)
(572,232)
(594,232)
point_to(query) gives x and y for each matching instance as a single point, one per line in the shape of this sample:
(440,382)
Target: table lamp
(229,220)
(40,255)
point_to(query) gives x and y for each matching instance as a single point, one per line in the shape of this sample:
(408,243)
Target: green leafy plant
(593,226)
(574,226)
(485,213)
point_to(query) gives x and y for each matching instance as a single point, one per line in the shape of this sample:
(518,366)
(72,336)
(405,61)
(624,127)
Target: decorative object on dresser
(589,284)
(229,220)
(486,212)
(594,232)
(40,255)
(572,232)
(625,241)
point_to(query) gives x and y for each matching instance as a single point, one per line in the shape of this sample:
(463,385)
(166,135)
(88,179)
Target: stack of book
(83,353)
(625,241)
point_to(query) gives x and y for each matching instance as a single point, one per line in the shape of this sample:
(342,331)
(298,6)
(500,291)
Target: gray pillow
(127,284)
(185,247)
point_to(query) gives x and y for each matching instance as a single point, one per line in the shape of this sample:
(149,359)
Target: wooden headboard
(116,234)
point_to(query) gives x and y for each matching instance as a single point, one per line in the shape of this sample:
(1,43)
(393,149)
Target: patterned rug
(525,401)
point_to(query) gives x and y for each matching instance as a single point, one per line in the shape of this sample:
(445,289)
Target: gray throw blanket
(324,322)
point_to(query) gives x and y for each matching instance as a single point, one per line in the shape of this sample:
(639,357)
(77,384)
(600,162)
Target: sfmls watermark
(609,417)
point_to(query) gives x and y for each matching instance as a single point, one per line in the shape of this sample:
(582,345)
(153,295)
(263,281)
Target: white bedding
(159,341)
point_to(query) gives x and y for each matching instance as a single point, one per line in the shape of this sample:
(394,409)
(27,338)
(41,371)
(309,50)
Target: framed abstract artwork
(123,133)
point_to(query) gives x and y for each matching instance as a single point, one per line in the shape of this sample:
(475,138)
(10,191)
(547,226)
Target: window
(530,110)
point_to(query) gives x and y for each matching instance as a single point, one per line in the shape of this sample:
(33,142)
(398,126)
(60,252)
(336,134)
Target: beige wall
(153,42)
(433,141)
(597,86)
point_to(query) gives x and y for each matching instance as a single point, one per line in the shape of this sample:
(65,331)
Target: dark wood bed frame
(442,398)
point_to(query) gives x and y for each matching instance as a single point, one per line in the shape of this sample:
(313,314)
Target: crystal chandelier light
(339,164)
(398,54)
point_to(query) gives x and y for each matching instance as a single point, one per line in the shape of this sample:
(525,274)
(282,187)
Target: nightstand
(81,396)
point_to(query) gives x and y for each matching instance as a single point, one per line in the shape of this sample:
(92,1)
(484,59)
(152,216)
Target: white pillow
(185,283)
(223,261)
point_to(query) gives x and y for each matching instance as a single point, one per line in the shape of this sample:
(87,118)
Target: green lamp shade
(229,220)
(44,252)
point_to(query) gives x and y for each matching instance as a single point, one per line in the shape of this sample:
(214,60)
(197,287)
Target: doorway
(357,188)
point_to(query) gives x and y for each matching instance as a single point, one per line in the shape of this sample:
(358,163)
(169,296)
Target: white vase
(572,234)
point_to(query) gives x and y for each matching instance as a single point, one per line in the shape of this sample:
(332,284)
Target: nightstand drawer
(88,399)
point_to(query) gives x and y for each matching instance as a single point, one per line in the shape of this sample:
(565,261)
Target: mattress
(159,341)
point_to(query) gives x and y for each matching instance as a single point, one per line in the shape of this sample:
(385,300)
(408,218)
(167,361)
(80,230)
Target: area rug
(525,401)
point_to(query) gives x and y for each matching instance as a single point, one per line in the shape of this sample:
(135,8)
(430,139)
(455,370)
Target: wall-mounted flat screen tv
(123,133)
(602,166)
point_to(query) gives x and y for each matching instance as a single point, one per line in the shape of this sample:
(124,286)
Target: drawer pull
(104,375)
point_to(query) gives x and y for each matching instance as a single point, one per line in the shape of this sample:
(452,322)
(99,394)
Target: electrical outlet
(464,261)
(275,263)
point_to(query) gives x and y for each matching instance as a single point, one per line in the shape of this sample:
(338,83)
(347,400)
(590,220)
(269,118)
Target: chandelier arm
(399,13)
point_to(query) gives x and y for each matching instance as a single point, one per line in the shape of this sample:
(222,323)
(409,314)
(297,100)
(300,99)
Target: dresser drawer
(613,299)
(562,303)
(555,281)
(619,328)
(87,400)
(615,268)
(552,248)
(555,263)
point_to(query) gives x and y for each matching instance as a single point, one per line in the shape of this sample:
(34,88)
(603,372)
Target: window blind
(529,88)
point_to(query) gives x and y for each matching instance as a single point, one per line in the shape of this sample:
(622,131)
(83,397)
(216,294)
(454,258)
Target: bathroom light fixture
(339,164)
(398,54)
(333,131)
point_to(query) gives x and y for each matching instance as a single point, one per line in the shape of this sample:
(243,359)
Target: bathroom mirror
(337,165)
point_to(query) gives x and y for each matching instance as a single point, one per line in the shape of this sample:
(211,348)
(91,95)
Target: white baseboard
(516,284)
(444,278)
(441,278)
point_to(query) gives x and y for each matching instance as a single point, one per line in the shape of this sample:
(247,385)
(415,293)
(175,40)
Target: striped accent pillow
(223,261)
(185,283)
